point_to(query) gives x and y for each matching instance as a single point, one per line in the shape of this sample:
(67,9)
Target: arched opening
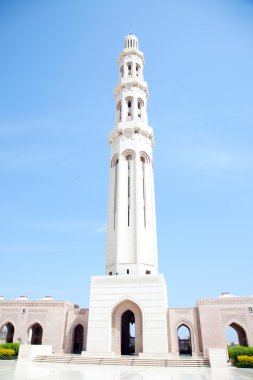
(138,70)
(184,340)
(7,333)
(128,333)
(140,105)
(236,335)
(128,158)
(127,336)
(129,108)
(121,71)
(35,334)
(77,347)
(119,111)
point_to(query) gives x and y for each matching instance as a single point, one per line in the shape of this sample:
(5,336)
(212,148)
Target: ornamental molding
(235,301)
(34,304)
(129,52)
(127,86)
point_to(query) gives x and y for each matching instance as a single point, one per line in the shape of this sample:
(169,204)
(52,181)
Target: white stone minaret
(132,283)
(131,232)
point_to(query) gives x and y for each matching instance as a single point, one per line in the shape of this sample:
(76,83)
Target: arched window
(121,71)
(140,104)
(114,160)
(129,104)
(138,70)
(115,192)
(184,340)
(129,69)
(128,158)
(119,111)
(143,161)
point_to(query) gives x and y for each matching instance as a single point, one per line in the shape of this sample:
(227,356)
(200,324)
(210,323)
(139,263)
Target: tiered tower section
(131,233)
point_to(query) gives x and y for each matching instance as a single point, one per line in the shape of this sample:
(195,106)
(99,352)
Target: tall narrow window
(128,158)
(129,108)
(139,109)
(129,68)
(143,189)
(115,192)
(140,105)
(122,71)
(119,111)
(137,70)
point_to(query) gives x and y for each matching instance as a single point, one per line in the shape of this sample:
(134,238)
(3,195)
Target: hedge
(240,351)
(244,361)
(9,351)
(7,354)
(13,346)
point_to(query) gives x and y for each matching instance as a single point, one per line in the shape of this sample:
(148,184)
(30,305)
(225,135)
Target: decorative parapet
(226,301)
(14,303)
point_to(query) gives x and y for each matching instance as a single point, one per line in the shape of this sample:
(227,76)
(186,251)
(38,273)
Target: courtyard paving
(10,370)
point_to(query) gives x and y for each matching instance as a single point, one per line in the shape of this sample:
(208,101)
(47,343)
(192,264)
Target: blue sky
(58,70)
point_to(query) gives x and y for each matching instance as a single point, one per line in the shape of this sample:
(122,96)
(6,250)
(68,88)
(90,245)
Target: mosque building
(128,312)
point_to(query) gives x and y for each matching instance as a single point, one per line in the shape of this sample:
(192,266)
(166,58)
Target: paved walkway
(48,371)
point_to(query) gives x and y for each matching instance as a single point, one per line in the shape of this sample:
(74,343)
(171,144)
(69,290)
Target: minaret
(131,231)
(132,291)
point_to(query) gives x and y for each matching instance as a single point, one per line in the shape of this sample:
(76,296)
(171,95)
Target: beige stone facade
(60,321)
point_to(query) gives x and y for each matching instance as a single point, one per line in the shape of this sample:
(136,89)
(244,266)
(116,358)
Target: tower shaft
(131,230)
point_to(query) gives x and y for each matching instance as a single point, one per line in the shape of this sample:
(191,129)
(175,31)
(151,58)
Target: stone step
(122,361)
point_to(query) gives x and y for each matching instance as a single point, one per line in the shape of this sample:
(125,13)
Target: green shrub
(236,351)
(12,346)
(7,354)
(244,361)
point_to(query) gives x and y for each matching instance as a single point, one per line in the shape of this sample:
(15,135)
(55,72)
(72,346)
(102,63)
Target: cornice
(127,52)
(26,303)
(228,301)
(131,83)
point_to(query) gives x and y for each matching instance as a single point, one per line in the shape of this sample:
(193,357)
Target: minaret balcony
(130,82)
(129,128)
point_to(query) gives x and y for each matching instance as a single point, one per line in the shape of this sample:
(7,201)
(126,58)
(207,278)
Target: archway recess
(7,332)
(125,339)
(77,346)
(236,335)
(35,333)
(184,340)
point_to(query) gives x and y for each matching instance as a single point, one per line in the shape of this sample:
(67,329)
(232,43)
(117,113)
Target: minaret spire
(131,233)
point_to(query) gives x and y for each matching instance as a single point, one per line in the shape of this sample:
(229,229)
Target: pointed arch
(7,332)
(124,312)
(35,333)
(240,330)
(78,338)
(186,323)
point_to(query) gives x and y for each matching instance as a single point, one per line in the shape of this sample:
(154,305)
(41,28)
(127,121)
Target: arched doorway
(236,335)
(128,333)
(127,336)
(184,340)
(77,346)
(35,333)
(7,333)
